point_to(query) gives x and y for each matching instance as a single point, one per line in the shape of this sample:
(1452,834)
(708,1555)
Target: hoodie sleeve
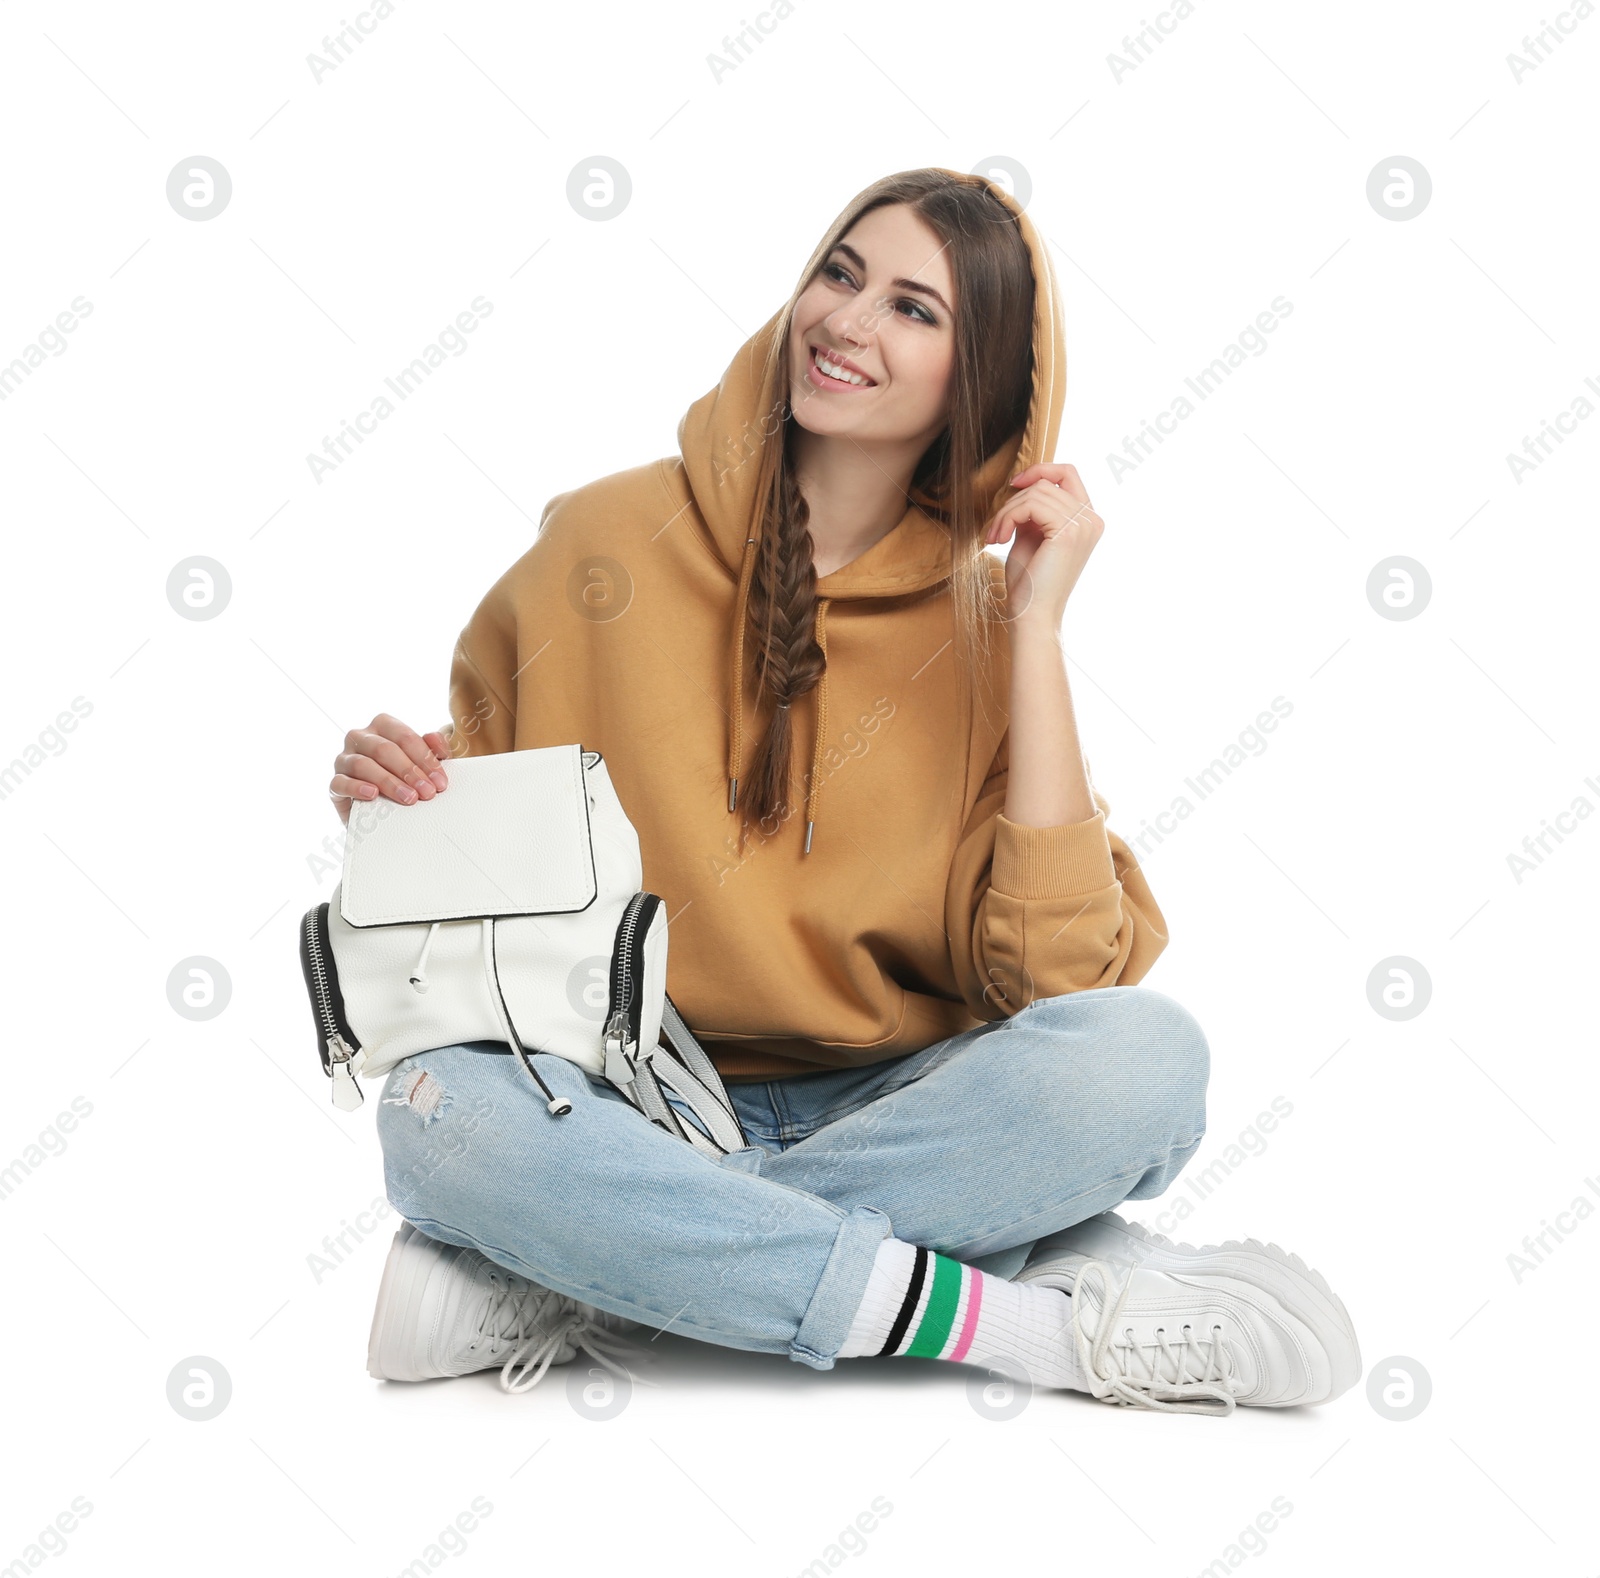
(1043,911)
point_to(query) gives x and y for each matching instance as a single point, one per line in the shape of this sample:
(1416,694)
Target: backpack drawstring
(419,971)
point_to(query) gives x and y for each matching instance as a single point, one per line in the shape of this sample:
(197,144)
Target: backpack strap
(721,1125)
(680,1064)
(693,1057)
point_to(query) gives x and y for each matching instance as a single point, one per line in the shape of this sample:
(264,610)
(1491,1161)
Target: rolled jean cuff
(841,1287)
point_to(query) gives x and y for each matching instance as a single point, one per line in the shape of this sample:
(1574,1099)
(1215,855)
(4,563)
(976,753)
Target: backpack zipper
(626,1005)
(341,1050)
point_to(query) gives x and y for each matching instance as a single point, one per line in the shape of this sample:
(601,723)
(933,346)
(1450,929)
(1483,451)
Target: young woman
(917,968)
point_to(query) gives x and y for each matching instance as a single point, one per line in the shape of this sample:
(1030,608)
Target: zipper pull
(619,1067)
(344,1063)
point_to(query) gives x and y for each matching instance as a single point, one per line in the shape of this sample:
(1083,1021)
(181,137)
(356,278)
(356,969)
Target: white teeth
(834,370)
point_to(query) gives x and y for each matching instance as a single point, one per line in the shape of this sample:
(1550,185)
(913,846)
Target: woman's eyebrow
(900,284)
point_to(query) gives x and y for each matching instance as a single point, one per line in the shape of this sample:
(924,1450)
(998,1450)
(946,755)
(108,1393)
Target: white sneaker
(1169,1326)
(445,1311)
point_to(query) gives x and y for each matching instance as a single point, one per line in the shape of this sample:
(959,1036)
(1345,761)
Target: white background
(180,817)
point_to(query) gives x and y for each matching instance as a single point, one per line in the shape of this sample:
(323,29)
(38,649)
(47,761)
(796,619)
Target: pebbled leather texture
(553,957)
(510,836)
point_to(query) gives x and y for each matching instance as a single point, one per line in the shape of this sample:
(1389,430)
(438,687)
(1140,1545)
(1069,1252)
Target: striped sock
(923,1305)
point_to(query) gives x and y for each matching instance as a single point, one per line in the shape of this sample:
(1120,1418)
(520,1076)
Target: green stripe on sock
(937,1318)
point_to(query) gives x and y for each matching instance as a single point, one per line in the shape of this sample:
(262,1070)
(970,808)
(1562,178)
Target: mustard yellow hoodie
(919,910)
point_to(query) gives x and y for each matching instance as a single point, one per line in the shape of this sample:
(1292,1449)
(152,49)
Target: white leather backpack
(508,908)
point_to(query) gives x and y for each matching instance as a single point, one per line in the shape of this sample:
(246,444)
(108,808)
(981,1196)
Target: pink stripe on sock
(970,1325)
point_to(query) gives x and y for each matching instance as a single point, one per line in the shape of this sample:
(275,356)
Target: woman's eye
(840,275)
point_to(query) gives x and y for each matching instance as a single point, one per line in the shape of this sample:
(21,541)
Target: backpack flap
(468,853)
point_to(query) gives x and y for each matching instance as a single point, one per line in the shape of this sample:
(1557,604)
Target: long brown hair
(991,385)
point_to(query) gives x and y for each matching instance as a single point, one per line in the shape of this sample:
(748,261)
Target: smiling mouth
(831,374)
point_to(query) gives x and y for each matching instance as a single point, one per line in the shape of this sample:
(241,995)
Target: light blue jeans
(977,1147)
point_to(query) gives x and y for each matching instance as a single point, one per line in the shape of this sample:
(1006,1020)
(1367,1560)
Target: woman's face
(884,301)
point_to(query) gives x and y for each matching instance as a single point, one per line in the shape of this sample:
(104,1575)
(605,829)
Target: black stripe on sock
(908,1307)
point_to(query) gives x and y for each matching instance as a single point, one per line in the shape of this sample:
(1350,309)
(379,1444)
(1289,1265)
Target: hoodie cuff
(1051,862)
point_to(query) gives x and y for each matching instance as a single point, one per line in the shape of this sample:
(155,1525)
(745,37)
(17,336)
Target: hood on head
(720,437)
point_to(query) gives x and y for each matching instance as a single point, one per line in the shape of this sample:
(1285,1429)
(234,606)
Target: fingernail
(439,780)
(425,788)
(406,795)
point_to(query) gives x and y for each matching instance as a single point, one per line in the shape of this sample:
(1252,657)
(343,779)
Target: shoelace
(516,1314)
(1161,1381)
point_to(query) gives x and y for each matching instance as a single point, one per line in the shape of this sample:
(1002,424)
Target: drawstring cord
(419,973)
(815,790)
(556,1105)
(736,675)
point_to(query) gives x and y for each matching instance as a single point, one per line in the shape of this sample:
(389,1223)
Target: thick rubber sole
(1302,1291)
(391,1344)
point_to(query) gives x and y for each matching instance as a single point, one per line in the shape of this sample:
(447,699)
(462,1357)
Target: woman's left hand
(1055,530)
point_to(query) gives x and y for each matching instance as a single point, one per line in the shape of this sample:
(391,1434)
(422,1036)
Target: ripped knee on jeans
(418,1089)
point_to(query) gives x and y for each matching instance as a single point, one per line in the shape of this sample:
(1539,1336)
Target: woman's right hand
(390,759)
